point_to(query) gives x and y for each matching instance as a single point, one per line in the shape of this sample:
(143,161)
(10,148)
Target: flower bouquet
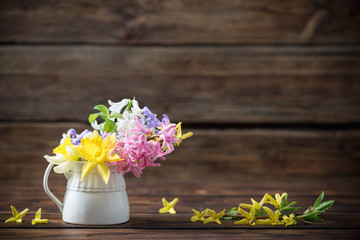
(130,139)
(126,139)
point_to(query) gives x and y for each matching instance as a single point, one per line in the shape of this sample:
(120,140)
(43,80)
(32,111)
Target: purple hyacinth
(150,120)
(76,138)
(71,132)
(165,118)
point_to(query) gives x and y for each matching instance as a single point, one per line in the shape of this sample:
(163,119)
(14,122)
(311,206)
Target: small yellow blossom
(277,201)
(38,218)
(255,204)
(288,220)
(248,216)
(214,217)
(198,216)
(181,136)
(272,220)
(17,217)
(168,207)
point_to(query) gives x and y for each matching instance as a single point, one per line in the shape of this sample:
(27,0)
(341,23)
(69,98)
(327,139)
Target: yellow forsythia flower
(17,217)
(38,218)
(168,206)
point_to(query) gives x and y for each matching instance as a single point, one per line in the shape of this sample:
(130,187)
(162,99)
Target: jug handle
(47,190)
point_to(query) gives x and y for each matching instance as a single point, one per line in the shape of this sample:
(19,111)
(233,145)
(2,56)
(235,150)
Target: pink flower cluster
(142,146)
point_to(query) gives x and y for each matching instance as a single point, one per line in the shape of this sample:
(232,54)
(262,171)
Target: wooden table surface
(341,221)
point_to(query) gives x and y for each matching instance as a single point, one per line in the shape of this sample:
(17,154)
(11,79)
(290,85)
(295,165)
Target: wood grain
(146,200)
(210,155)
(179,234)
(180,22)
(311,85)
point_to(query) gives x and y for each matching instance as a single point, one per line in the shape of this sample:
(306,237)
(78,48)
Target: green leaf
(314,216)
(233,211)
(319,200)
(102,115)
(309,217)
(116,115)
(102,109)
(322,207)
(284,202)
(109,126)
(307,222)
(290,209)
(92,117)
(291,204)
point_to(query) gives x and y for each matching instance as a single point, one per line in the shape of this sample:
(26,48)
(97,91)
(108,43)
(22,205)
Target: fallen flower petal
(168,207)
(199,216)
(38,218)
(17,217)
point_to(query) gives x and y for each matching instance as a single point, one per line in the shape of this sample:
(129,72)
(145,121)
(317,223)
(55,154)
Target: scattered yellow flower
(181,136)
(288,220)
(248,216)
(168,207)
(277,201)
(273,218)
(266,221)
(214,217)
(255,204)
(198,216)
(38,218)
(97,151)
(17,217)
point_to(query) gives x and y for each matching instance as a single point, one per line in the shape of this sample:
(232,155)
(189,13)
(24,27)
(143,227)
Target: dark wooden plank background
(180,22)
(271,89)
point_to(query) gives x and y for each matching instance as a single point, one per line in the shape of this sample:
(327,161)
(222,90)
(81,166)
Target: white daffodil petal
(64,167)
(70,151)
(57,159)
(88,135)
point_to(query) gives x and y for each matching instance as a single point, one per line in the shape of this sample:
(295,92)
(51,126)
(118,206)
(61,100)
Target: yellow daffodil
(214,217)
(288,220)
(181,136)
(168,207)
(277,201)
(96,151)
(64,156)
(17,217)
(38,218)
(272,220)
(248,216)
(198,216)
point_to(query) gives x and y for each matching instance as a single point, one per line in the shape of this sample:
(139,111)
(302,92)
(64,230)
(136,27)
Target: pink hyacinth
(167,135)
(139,128)
(138,153)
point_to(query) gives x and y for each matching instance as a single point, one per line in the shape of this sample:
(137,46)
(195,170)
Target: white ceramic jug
(91,201)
